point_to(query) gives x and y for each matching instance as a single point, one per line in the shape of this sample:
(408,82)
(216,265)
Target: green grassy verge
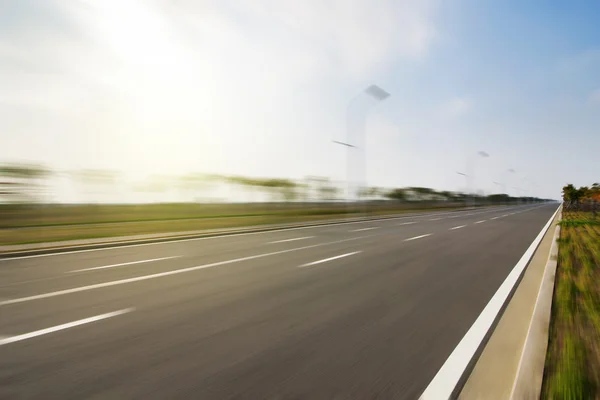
(24,216)
(78,232)
(94,228)
(573,360)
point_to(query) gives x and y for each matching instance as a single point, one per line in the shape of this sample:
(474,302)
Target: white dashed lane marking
(417,237)
(329,259)
(291,240)
(364,229)
(30,335)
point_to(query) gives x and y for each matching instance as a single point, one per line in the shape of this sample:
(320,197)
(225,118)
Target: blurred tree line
(582,198)
(22,183)
(31,184)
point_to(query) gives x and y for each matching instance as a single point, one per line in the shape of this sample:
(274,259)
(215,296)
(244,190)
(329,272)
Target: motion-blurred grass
(48,223)
(573,360)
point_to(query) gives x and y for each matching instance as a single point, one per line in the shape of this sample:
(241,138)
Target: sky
(263,88)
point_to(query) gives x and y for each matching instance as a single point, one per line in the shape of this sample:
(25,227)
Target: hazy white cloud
(343,37)
(177,85)
(455,108)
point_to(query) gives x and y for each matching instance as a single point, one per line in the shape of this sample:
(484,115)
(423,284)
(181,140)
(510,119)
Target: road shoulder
(495,372)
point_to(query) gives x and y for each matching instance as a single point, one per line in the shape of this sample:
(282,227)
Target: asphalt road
(347,311)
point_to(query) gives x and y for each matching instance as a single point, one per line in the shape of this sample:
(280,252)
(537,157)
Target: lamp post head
(483,154)
(343,144)
(377,93)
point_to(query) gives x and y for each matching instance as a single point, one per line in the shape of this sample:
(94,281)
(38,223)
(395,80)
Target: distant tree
(447,195)
(22,183)
(312,183)
(280,189)
(422,193)
(329,192)
(582,192)
(461,196)
(574,198)
(375,192)
(248,184)
(498,198)
(397,194)
(365,192)
(570,193)
(303,190)
(322,188)
(594,193)
(288,189)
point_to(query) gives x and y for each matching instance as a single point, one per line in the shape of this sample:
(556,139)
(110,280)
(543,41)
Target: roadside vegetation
(74,222)
(572,368)
(31,210)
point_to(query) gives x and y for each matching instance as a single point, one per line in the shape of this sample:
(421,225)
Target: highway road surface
(348,311)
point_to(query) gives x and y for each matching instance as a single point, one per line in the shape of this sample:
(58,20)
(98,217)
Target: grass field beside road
(573,361)
(31,215)
(74,222)
(84,231)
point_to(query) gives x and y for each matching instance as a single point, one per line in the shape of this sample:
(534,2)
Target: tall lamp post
(508,173)
(358,140)
(535,187)
(469,175)
(518,194)
(502,187)
(466,185)
(526,189)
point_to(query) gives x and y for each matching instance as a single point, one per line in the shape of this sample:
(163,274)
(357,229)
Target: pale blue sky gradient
(260,88)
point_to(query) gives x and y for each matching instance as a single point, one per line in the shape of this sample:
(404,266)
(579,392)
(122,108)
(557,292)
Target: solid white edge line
(330,259)
(166,273)
(166,241)
(457,227)
(444,383)
(25,336)
(418,237)
(122,264)
(291,240)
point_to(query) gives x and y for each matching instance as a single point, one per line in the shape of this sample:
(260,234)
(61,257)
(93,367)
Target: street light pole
(507,177)
(518,193)
(502,188)
(349,165)
(466,183)
(470,172)
(526,186)
(374,92)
